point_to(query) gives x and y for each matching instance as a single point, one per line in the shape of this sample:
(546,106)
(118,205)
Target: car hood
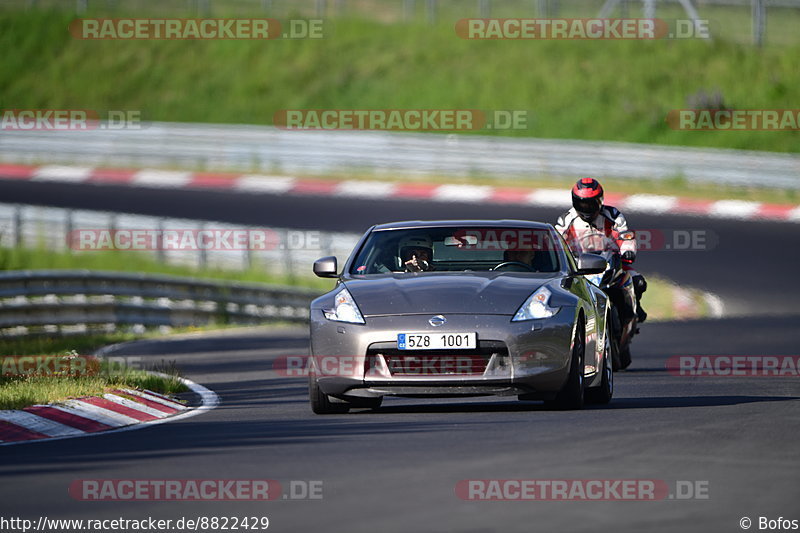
(435,293)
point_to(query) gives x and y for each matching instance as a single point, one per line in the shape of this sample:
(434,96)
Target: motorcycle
(617,283)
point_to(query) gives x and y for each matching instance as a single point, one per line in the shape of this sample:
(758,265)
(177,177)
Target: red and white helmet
(587,198)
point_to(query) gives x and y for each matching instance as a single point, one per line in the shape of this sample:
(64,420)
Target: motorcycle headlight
(537,306)
(344,309)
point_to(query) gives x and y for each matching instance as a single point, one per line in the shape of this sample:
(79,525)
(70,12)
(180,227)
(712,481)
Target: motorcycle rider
(589,215)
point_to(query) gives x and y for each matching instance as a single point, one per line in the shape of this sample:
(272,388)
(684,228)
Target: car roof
(505,223)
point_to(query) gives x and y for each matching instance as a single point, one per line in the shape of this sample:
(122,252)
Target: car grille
(427,363)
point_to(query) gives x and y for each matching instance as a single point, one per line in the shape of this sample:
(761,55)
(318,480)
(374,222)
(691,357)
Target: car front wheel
(321,403)
(570,397)
(605,391)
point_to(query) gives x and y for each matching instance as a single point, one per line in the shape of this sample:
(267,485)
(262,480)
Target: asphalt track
(396,469)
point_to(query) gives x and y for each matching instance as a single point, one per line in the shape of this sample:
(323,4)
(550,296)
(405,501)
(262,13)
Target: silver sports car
(460,308)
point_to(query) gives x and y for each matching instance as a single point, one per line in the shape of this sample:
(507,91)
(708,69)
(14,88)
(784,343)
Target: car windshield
(455,249)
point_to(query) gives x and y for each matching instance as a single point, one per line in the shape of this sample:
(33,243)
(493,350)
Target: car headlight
(537,306)
(344,309)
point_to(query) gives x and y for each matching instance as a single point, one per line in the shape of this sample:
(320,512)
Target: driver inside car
(416,253)
(519,256)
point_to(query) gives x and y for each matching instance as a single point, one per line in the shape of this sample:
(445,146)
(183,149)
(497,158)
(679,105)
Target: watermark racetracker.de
(712,366)
(194,490)
(192,239)
(549,490)
(582,28)
(196,28)
(734,119)
(402,119)
(70,119)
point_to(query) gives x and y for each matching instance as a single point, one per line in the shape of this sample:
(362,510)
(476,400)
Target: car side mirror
(591,264)
(326,267)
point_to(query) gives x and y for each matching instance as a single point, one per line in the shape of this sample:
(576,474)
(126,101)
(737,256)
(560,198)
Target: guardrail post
(759,21)
(266,5)
(326,242)
(408,10)
(160,257)
(286,254)
(202,255)
(202,7)
(649,9)
(68,228)
(543,8)
(430,11)
(18,226)
(81,5)
(484,9)
(247,259)
(321,8)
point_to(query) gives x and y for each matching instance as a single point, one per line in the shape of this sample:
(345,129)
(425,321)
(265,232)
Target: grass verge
(664,300)
(609,90)
(45,379)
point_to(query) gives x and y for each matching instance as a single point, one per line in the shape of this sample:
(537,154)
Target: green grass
(81,344)
(659,299)
(21,389)
(127,261)
(609,90)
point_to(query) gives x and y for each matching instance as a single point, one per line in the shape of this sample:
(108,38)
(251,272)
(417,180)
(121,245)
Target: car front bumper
(528,358)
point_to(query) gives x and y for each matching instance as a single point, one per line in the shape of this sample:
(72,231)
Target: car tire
(603,393)
(616,333)
(625,357)
(321,403)
(570,397)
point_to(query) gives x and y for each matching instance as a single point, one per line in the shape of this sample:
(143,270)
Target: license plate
(437,341)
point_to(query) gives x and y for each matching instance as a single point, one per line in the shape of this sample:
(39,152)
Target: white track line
(136,406)
(365,189)
(462,193)
(62,173)
(550,197)
(651,203)
(156,399)
(96,415)
(166,179)
(39,424)
(121,419)
(734,209)
(264,184)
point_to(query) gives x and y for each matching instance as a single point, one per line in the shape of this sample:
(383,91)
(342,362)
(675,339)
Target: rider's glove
(629,256)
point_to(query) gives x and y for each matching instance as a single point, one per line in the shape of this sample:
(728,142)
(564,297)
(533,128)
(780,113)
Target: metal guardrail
(291,254)
(266,149)
(57,302)
(71,301)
